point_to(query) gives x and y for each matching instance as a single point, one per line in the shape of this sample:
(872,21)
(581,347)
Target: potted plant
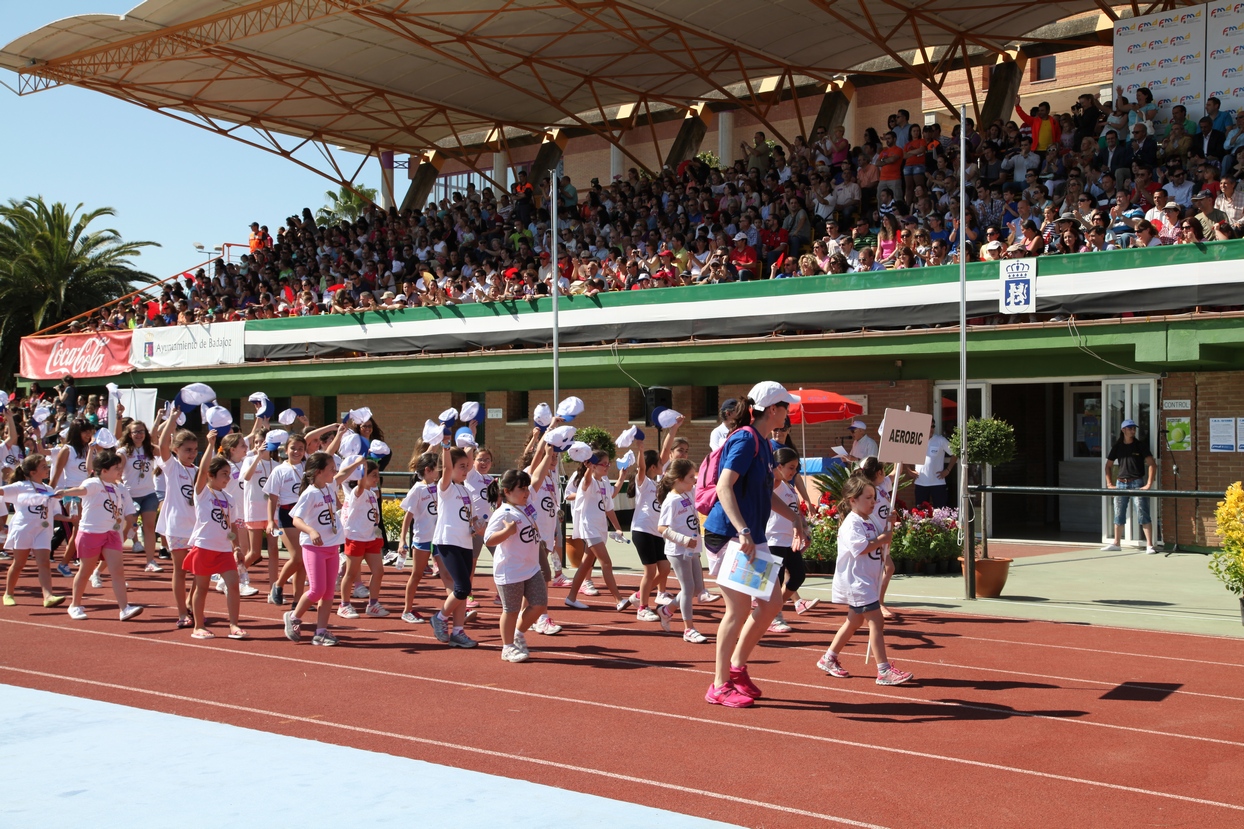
(1228,563)
(990,442)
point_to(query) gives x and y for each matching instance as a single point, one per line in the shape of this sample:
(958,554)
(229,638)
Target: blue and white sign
(1222,434)
(1018,288)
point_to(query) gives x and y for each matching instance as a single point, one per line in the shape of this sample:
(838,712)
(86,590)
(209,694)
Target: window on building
(516,407)
(704,402)
(1044,70)
(637,408)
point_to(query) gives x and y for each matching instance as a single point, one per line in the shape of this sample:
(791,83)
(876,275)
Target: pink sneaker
(832,666)
(471,603)
(743,683)
(892,676)
(728,696)
(560,581)
(802,606)
(588,589)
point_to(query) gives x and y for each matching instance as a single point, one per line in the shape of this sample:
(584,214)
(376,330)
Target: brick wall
(1213,394)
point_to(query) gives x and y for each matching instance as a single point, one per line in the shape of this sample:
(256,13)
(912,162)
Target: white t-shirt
(590,508)
(284,483)
(718,436)
(254,499)
(453,516)
(420,502)
(318,508)
(518,557)
(857,578)
(647,510)
(863,447)
(934,462)
(479,484)
(780,531)
(11,455)
(75,471)
(544,498)
(881,509)
(177,515)
(104,507)
(215,511)
(361,513)
(138,474)
(33,511)
(678,513)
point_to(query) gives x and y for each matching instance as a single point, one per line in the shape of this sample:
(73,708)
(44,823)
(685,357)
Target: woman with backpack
(741,473)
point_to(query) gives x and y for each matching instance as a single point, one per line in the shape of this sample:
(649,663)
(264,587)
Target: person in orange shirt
(256,239)
(1046,131)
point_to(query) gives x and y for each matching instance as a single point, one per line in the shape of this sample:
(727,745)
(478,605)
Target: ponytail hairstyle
(785,455)
(74,439)
(421,449)
(229,444)
(27,468)
(854,487)
(869,467)
(678,470)
(739,415)
(216,465)
(510,480)
(105,459)
(316,463)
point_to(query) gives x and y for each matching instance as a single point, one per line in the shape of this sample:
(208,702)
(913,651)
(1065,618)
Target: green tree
(345,204)
(53,266)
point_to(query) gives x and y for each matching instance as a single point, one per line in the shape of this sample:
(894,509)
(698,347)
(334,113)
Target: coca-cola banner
(82,355)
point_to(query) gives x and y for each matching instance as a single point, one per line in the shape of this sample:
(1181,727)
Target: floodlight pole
(965,525)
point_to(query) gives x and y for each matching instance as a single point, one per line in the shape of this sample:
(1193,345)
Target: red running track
(1011,723)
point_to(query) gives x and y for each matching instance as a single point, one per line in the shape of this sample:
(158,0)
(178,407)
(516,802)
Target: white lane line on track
(319,722)
(702,721)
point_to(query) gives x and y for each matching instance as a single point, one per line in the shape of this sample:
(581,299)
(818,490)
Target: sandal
(238,633)
(202,634)
(185,622)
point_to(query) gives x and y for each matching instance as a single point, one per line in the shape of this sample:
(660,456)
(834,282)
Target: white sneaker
(152,567)
(1111,548)
(707,597)
(412,618)
(577,605)
(374,609)
(646,615)
(1151,551)
(510,653)
(694,636)
(347,611)
(664,614)
(360,592)
(77,612)
(664,599)
(546,626)
(247,589)
(97,581)
(130,611)
(520,641)
(219,583)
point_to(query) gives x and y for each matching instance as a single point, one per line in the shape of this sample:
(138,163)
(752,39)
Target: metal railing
(1103,491)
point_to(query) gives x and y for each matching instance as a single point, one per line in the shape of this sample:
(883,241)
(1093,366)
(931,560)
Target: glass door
(1124,400)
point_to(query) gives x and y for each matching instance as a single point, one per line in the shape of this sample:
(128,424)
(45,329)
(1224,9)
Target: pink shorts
(202,562)
(92,545)
(358,549)
(256,525)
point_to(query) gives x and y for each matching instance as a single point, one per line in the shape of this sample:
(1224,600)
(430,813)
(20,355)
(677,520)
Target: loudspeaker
(656,396)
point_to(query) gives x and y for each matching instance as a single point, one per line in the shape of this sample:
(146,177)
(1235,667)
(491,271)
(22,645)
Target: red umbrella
(822,406)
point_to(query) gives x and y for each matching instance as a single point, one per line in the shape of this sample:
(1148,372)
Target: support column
(690,134)
(834,108)
(422,180)
(725,137)
(617,162)
(501,170)
(386,179)
(1003,85)
(548,157)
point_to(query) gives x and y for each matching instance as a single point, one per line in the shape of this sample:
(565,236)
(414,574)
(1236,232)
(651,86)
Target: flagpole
(969,558)
(554,292)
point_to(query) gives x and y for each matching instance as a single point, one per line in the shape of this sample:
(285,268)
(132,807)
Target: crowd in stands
(1097,178)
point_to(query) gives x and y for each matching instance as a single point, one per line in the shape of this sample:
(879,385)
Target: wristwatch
(745,531)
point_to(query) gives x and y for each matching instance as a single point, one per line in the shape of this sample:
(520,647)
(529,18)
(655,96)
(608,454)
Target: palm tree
(345,204)
(53,267)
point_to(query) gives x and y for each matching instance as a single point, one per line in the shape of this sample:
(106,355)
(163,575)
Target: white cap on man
(858,424)
(767,393)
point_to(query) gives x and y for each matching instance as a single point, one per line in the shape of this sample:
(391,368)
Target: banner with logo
(1165,53)
(82,355)
(1224,42)
(189,346)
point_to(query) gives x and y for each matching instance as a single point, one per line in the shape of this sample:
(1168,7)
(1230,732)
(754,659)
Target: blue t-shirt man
(751,457)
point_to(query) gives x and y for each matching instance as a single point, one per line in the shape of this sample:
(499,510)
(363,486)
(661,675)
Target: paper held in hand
(840,451)
(755,578)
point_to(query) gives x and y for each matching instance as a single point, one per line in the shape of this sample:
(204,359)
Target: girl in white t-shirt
(139,478)
(176,455)
(679,524)
(317,517)
(214,545)
(857,581)
(781,536)
(593,515)
(645,535)
(256,468)
(283,490)
(363,540)
(420,508)
(70,468)
(540,464)
(30,527)
(456,523)
(105,505)
(233,448)
(873,471)
(514,533)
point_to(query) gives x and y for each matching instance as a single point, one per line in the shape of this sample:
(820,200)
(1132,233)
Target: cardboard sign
(904,436)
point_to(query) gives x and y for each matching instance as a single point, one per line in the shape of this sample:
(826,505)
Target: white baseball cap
(858,424)
(767,393)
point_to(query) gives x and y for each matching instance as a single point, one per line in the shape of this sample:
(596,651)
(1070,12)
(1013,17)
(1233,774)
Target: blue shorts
(422,546)
(283,519)
(147,503)
(914,170)
(1121,502)
(864,608)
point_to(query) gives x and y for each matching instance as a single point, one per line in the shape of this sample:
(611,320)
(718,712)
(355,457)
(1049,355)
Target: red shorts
(202,562)
(92,545)
(358,549)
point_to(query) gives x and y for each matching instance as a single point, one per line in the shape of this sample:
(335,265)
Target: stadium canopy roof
(452,75)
